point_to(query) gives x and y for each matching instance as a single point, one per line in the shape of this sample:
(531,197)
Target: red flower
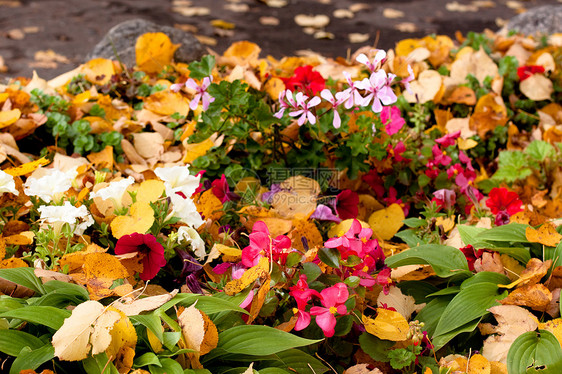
(221,190)
(347,204)
(525,72)
(501,199)
(471,255)
(147,246)
(306,80)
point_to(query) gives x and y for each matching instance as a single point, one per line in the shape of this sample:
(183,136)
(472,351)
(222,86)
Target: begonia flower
(332,299)
(440,156)
(392,119)
(259,242)
(147,246)
(448,140)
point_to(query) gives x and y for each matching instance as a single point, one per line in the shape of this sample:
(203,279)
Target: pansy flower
(147,246)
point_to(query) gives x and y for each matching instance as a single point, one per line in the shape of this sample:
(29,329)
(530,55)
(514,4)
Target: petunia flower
(146,245)
(185,209)
(503,203)
(340,98)
(347,204)
(178,179)
(305,80)
(332,299)
(221,190)
(114,191)
(56,216)
(471,255)
(7,184)
(445,198)
(324,213)
(191,236)
(392,119)
(304,107)
(50,185)
(524,72)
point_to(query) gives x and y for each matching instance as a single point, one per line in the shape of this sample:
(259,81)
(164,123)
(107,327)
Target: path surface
(29,29)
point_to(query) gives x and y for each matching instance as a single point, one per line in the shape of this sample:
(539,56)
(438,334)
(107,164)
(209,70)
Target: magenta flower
(302,295)
(377,91)
(324,213)
(354,242)
(201,93)
(335,101)
(259,242)
(448,140)
(445,198)
(397,152)
(221,190)
(439,156)
(392,119)
(305,113)
(332,299)
(146,245)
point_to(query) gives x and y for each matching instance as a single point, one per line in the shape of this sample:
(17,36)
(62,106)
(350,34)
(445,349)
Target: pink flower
(379,59)
(354,97)
(305,113)
(335,101)
(286,101)
(406,81)
(201,93)
(374,180)
(448,139)
(398,150)
(333,299)
(324,213)
(146,245)
(302,295)
(259,242)
(439,156)
(221,190)
(392,120)
(378,91)
(445,198)
(354,242)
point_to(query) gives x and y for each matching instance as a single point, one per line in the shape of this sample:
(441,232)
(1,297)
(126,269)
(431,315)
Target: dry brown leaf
(317,21)
(425,88)
(148,144)
(135,307)
(404,304)
(343,13)
(406,27)
(250,276)
(534,296)
(392,13)
(269,21)
(356,37)
(191,11)
(154,51)
(546,235)
(537,87)
(458,7)
(362,369)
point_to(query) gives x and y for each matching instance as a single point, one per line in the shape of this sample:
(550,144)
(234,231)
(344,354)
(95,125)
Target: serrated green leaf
(540,150)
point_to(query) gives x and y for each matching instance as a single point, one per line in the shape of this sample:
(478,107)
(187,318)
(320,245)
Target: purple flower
(324,213)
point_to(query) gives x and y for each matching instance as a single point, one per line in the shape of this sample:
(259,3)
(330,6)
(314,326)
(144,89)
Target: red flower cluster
(525,72)
(305,80)
(503,204)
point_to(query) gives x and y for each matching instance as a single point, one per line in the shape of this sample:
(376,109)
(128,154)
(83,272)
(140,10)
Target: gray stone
(540,20)
(119,42)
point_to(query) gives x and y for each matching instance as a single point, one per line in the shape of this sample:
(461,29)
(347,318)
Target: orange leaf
(167,103)
(250,275)
(7,117)
(98,70)
(27,167)
(534,296)
(546,235)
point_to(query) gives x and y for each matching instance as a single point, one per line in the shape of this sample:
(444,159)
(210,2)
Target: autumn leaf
(98,70)
(27,167)
(7,117)
(250,276)
(546,235)
(199,333)
(387,325)
(140,219)
(386,222)
(154,51)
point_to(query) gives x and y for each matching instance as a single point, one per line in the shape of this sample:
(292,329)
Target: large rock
(542,20)
(119,42)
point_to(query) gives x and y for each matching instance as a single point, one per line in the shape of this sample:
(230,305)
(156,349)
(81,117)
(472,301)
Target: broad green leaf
(274,371)
(206,304)
(296,361)
(375,347)
(535,352)
(469,304)
(521,254)
(486,277)
(32,359)
(24,277)
(259,340)
(13,341)
(150,321)
(43,315)
(446,261)
(312,271)
(8,303)
(431,313)
(99,364)
(469,234)
(148,358)
(168,366)
(69,289)
(540,150)
(419,290)
(512,232)
(453,290)
(409,237)
(330,256)
(441,340)
(556,256)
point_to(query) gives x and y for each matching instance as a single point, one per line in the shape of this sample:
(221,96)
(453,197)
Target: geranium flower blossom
(376,87)
(379,59)
(332,299)
(178,179)
(7,184)
(146,245)
(354,97)
(335,101)
(56,216)
(50,185)
(201,93)
(286,100)
(114,191)
(406,81)
(392,119)
(305,113)
(306,80)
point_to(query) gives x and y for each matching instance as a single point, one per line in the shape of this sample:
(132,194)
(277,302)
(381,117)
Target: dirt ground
(53,36)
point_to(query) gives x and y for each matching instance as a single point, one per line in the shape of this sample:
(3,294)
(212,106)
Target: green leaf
(168,366)
(417,289)
(441,340)
(535,352)
(512,232)
(375,347)
(203,68)
(148,358)
(469,234)
(13,341)
(274,371)
(150,321)
(410,237)
(207,304)
(99,364)
(540,150)
(446,261)
(32,359)
(485,277)
(512,166)
(330,256)
(453,290)
(469,304)
(24,277)
(521,254)
(43,315)
(296,361)
(312,271)
(259,340)
(69,289)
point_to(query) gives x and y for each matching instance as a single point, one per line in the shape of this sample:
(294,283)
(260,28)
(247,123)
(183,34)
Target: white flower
(192,236)
(114,191)
(7,183)
(50,185)
(56,216)
(178,179)
(185,210)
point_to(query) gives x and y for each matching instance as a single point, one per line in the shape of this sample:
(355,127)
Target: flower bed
(397,211)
